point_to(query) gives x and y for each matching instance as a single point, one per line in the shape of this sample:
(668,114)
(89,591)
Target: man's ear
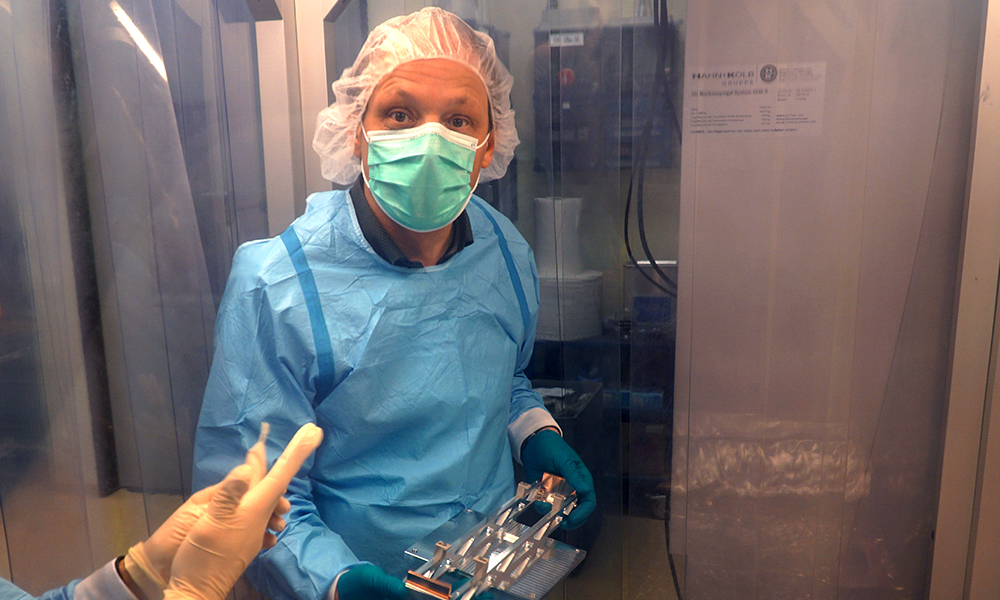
(487,153)
(357,142)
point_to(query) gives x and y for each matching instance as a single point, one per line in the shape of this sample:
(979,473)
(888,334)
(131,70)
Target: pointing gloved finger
(274,484)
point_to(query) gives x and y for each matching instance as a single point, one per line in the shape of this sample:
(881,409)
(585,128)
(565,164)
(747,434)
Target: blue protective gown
(9,591)
(103,584)
(415,376)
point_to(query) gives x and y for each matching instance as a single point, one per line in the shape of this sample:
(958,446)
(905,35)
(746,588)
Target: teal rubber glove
(368,582)
(547,452)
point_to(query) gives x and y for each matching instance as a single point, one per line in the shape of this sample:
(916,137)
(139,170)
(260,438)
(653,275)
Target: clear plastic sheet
(122,198)
(817,280)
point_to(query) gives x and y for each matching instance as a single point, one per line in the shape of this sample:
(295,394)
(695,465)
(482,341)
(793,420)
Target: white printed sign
(564,39)
(763,99)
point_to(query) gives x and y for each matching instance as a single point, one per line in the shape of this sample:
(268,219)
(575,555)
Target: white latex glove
(233,529)
(146,567)
(147,564)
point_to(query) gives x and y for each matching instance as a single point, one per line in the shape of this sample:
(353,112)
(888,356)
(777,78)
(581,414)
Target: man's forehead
(452,81)
(399,91)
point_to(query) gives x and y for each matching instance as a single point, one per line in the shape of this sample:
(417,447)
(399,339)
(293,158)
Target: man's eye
(398,116)
(459,122)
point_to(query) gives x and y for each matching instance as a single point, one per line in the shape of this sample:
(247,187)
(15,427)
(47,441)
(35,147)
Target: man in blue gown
(398,315)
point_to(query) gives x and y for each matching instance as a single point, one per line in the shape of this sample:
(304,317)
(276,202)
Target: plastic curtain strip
(816,284)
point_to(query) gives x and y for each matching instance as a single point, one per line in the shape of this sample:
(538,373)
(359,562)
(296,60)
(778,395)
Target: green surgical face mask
(420,176)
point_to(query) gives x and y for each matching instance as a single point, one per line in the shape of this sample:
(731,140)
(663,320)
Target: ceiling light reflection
(140,40)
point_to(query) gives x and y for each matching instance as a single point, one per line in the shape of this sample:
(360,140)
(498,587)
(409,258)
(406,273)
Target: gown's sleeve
(9,591)
(261,372)
(102,584)
(527,410)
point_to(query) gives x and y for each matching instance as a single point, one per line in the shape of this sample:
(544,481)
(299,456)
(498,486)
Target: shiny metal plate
(472,556)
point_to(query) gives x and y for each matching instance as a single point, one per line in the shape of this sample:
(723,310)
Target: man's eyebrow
(396,93)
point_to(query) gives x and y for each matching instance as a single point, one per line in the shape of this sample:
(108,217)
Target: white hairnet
(428,33)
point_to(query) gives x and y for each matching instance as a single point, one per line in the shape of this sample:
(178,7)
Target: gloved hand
(147,563)
(233,529)
(368,582)
(548,452)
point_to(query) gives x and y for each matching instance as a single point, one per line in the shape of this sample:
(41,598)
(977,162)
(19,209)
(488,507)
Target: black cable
(659,78)
(670,557)
(628,245)
(662,23)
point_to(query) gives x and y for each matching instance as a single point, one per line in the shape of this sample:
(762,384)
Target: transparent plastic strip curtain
(44,462)
(132,167)
(156,293)
(817,278)
(175,180)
